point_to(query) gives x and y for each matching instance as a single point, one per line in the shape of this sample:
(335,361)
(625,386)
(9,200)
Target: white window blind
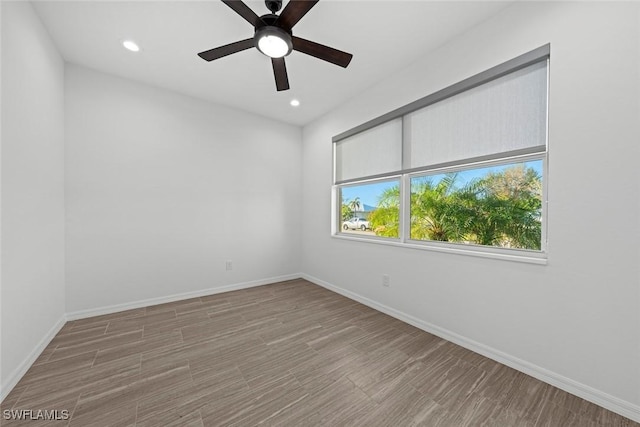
(503,115)
(372,152)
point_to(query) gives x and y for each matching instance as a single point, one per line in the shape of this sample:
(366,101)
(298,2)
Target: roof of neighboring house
(366,208)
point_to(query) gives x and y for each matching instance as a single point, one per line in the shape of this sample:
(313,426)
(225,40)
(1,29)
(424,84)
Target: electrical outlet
(229,265)
(385,280)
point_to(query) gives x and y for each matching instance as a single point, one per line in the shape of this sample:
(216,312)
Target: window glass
(371,209)
(496,206)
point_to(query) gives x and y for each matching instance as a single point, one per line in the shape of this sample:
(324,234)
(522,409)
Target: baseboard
(81,314)
(586,392)
(19,372)
(607,401)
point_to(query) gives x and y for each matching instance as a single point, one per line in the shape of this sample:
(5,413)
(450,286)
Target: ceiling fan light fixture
(273,46)
(273,42)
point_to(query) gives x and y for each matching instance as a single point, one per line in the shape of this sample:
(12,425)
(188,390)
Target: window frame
(541,152)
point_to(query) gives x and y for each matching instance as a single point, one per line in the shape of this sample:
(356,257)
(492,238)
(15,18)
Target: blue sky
(369,193)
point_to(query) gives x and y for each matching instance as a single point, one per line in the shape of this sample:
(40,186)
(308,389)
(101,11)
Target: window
(497,206)
(371,209)
(461,169)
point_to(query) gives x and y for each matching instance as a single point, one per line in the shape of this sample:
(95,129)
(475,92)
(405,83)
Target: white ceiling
(383,36)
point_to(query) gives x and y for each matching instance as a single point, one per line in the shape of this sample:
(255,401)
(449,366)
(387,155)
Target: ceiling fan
(273,37)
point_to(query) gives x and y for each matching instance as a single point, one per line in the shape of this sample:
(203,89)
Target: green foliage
(435,210)
(500,209)
(384,221)
(349,208)
(506,208)
(345,212)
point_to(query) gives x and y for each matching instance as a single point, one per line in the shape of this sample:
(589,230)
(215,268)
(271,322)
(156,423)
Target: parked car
(356,223)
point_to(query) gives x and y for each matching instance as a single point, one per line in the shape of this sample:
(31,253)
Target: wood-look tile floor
(287,354)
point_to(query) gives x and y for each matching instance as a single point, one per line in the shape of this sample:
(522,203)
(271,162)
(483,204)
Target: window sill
(528,257)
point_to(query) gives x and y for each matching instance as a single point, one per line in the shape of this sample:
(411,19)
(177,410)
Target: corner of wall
(32,217)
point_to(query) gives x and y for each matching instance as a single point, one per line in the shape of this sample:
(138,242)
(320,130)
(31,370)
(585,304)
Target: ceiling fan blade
(243,10)
(294,11)
(320,51)
(280,72)
(219,52)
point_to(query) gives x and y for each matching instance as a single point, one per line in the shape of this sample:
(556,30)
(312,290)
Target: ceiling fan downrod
(273,5)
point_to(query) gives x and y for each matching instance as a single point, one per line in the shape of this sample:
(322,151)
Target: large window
(461,169)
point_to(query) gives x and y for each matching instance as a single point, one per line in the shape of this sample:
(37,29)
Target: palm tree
(354,205)
(385,219)
(504,209)
(435,212)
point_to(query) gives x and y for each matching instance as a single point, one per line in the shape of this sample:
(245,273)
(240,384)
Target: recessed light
(294,103)
(131,45)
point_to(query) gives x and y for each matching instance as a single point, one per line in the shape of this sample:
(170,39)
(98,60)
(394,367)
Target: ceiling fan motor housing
(273,5)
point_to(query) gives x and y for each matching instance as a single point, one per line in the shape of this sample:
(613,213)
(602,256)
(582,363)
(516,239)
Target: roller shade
(506,114)
(373,152)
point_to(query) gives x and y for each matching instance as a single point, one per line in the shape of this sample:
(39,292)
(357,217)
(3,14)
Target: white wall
(32,291)
(162,189)
(577,319)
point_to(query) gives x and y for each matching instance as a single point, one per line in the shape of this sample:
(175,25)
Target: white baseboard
(612,403)
(81,314)
(19,372)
